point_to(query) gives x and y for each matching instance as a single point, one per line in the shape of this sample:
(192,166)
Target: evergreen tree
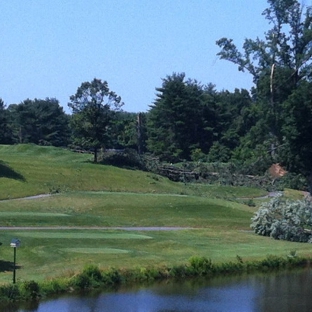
(41,122)
(297,130)
(6,135)
(175,120)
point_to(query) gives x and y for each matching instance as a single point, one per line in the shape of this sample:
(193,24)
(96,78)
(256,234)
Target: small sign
(15,243)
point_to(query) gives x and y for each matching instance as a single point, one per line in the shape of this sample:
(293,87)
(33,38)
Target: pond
(287,291)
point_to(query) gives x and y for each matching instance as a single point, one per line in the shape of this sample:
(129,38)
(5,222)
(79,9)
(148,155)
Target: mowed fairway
(217,229)
(78,225)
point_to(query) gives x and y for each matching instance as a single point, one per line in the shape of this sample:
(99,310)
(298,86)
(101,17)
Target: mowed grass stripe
(96,250)
(83,235)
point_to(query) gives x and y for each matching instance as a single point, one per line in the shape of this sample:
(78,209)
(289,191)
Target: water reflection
(281,292)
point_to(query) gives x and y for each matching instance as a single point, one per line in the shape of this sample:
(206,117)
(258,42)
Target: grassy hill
(30,170)
(27,170)
(86,197)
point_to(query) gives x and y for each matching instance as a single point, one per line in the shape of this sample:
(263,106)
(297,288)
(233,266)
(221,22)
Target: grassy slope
(122,198)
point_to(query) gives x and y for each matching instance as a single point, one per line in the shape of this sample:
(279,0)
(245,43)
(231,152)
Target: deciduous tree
(278,62)
(93,107)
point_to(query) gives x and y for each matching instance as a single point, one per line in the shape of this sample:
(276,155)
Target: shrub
(30,289)
(274,262)
(9,292)
(200,265)
(284,219)
(179,271)
(127,158)
(112,277)
(81,281)
(93,272)
(54,287)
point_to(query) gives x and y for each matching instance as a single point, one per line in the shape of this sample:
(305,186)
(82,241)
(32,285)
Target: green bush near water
(93,278)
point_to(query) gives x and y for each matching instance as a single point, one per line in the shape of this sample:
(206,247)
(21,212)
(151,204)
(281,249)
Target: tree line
(189,120)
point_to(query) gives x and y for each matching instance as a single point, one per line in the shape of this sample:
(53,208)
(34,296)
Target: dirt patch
(276,171)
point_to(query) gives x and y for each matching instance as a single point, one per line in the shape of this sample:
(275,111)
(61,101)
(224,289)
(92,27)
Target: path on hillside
(124,228)
(269,195)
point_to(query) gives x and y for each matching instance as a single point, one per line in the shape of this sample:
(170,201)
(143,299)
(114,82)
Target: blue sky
(48,48)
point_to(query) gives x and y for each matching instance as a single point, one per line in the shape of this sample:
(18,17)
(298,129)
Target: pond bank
(92,278)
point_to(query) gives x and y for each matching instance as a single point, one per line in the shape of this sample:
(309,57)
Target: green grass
(103,196)
(28,170)
(96,250)
(124,209)
(82,235)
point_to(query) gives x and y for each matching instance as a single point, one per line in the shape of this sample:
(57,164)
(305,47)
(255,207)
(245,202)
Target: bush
(81,281)
(179,271)
(284,219)
(9,292)
(200,265)
(127,158)
(30,289)
(112,277)
(93,272)
(294,181)
(54,287)
(90,277)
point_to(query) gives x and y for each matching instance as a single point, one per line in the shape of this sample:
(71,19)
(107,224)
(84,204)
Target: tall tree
(175,123)
(232,121)
(297,130)
(93,108)
(277,63)
(6,135)
(129,131)
(41,122)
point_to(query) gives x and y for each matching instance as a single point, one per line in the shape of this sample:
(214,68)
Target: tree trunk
(139,133)
(95,159)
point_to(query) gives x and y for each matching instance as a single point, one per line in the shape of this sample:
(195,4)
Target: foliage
(6,134)
(42,122)
(293,181)
(179,121)
(189,120)
(9,292)
(127,158)
(30,289)
(129,131)
(200,265)
(93,107)
(281,68)
(284,219)
(219,152)
(92,277)
(297,129)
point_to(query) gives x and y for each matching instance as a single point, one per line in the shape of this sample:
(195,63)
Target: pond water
(287,291)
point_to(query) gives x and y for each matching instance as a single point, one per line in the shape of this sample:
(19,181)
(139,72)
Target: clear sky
(49,47)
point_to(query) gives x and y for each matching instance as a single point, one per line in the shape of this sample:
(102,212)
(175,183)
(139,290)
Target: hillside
(28,170)
(107,216)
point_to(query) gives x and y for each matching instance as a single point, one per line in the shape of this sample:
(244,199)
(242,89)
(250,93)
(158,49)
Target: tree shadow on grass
(8,266)
(7,172)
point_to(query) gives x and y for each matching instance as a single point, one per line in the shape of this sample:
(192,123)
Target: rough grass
(32,170)
(94,195)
